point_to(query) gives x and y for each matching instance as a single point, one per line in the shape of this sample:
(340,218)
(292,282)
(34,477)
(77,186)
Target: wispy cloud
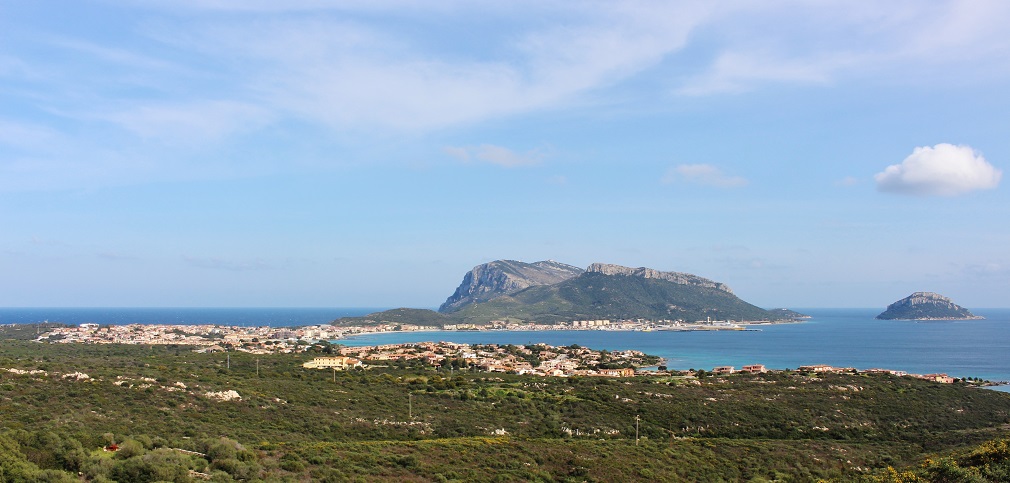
(735,72)
(805,43)
(191,122)
(218,263)
(497,155)
(941,170)
(200,72)
(847,181)
(559,180)
(25,135)
(991,269)
(115,256)
(365,74)
(702,174)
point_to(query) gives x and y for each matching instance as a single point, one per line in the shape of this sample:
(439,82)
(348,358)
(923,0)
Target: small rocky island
(926,306)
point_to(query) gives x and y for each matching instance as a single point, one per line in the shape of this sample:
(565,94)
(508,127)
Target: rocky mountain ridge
(675,277)
(502,277)
(553,292)
(926,306)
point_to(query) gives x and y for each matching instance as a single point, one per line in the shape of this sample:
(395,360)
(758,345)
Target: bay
(838,337)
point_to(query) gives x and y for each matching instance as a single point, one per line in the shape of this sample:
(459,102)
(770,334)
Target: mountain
(607,291)
(926,306)
(549,291)
(503,277)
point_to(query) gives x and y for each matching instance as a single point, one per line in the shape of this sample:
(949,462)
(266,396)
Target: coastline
(840,337)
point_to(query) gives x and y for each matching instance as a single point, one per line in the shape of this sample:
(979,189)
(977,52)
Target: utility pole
(229,362)
(334,374)
(637,419)
(257,367)
(410,406)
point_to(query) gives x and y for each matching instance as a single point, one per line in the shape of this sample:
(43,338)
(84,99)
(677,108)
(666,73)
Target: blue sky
(344,153)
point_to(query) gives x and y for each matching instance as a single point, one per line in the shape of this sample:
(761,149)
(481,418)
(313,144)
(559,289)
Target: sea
(837,337)
(244,316)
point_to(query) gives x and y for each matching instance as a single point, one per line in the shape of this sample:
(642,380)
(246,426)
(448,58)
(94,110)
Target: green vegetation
(27,331)
(421,424)
(988,462)
(401,316)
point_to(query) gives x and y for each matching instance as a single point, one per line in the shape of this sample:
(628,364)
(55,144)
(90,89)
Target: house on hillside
(339,362)
(938,378)
(818,368)
(619,372)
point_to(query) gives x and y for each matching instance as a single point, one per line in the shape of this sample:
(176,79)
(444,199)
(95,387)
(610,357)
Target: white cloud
(497,155)
(941,170)
(703,174)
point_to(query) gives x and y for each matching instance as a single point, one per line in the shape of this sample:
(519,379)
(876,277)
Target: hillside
(400,316)
(414,422)
(926,306)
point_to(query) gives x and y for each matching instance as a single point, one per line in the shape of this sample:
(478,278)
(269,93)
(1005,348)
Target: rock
(926,306)
(503,277)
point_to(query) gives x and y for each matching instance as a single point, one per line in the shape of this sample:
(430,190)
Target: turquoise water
(839,337)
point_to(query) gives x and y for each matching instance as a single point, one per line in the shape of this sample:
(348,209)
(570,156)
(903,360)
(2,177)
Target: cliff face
(642,272)
(926,306)
(502,277)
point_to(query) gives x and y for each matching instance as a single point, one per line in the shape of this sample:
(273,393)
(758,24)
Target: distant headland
(507,292)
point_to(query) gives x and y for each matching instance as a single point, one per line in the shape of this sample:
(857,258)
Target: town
(537,359)
(265,339)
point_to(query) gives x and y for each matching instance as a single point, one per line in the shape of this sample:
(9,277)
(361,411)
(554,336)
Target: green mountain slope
(399,316)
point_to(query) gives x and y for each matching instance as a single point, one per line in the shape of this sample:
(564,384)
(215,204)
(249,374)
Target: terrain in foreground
(173,416)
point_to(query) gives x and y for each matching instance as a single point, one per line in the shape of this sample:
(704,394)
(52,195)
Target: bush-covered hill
(62,403)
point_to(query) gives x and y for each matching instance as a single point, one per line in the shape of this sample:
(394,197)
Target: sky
(233,153)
